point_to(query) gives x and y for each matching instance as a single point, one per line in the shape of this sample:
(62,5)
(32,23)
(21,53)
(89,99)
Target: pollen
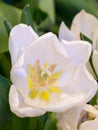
(44,95)
(55,75)
(29,83)
(55,89)
(33,93)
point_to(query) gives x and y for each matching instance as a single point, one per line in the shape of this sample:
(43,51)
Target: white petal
(20,36)
(19,79)
(91,109)
(56,104)
(65,33)
(19,108)
(84,87)
(80,92)
(46,49)
(77,51)
(69,119)
(90,125)
(95,60)
(85,23)
(87,84)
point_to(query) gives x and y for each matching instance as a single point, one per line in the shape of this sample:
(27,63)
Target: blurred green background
(43,16)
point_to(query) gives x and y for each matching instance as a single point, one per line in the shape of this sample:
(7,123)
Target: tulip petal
(85,23)
(68,120)
(18,77)
(79,88)
(20,36)
(19,108)
(91,84)
(46,48)
(90,125)
(74,119)
(77,51)
(91,109)
(65,33)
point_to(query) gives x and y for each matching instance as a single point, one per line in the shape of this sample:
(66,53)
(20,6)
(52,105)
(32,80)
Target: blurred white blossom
(88,25)
(79,118)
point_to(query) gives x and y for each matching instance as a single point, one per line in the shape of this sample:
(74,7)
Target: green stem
(20,123)
(33,123)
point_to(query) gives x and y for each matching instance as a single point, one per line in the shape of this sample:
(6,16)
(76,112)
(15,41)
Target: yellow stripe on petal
(29,83)
(55,89)
(44,95)
(33,93)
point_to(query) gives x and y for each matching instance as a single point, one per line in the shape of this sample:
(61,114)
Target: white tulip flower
(79,118)
(46,74)
(88,25)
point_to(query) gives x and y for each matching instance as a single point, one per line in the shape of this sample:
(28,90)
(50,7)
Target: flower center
(42,80)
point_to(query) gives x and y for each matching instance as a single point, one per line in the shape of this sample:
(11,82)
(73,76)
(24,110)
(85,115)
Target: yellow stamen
(33,93)
(44,95)
(30,84)
(55,75)
(55,89)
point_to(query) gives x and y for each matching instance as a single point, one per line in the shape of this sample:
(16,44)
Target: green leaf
(85,38)
(33,4)
(20,123)
(43,14)
(41,121)
(46,24)
(33,123)
(67,9)
(8,26)
(38,123)
(47,6)
(51,122)
(5,66)
(93,100)
(12,14)
(5,117)
(26,16)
